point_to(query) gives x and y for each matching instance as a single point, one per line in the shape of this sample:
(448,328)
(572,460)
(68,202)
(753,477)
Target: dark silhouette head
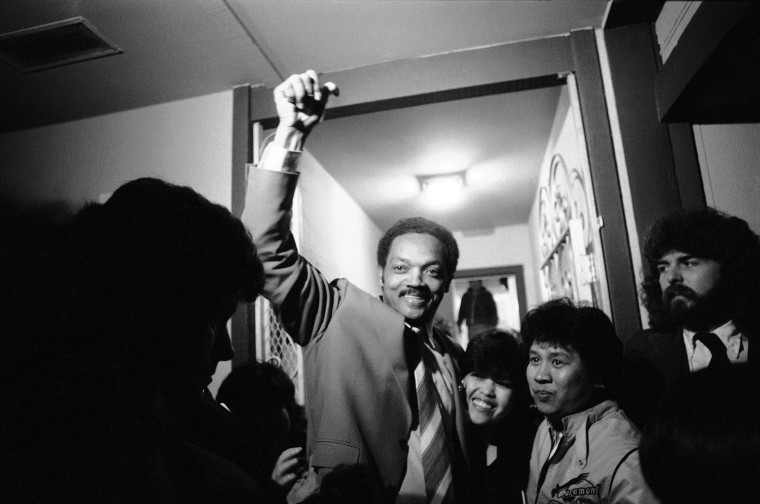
(118,311)
(262,396)
(159,271)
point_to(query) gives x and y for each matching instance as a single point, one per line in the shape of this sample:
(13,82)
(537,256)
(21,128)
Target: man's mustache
(679,290)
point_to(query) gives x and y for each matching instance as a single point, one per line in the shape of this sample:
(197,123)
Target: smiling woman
(496,396)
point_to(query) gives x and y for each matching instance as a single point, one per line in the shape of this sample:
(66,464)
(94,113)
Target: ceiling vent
(54,44)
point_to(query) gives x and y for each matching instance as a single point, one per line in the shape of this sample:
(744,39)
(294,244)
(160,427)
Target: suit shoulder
(450,344)
(647,339)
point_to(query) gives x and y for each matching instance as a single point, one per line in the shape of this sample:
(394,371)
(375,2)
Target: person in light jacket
(586,449)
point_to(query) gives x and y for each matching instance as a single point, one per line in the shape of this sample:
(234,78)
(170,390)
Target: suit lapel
(460,407)
(670,353)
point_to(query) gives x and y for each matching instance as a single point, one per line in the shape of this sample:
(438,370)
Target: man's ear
(380,272)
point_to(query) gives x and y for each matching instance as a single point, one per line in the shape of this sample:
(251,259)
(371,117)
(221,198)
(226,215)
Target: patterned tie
(436,462)
(718,358)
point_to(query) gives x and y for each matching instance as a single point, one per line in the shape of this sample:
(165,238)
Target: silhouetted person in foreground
(35,368)
(151,279)
(702,444)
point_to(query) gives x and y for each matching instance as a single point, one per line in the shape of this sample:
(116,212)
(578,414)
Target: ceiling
(177,49)
(502,158)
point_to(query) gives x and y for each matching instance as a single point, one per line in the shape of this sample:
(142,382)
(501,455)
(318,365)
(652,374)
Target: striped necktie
(436,460)
(718,358)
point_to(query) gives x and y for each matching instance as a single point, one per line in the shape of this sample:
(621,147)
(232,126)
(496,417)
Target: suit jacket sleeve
(304,299)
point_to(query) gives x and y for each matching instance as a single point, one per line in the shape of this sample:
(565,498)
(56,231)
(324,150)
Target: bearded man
(702,291)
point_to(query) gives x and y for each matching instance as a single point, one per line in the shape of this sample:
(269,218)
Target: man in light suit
(702,291)
(361,352)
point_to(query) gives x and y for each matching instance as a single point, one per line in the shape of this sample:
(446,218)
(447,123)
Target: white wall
(187,142)
(729,157)
(336,235)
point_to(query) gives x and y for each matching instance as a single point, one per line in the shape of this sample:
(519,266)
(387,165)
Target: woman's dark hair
(498,354)
(255,393)
(255,388)
(584,328)
(421,226)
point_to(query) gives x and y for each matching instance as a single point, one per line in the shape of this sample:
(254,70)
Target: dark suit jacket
(655,361)
(361,402)
(662,353)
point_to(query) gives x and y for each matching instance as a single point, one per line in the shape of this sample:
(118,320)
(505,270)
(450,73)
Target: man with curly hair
(701,288)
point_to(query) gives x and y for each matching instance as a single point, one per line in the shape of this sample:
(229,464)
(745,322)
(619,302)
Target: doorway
(507,287)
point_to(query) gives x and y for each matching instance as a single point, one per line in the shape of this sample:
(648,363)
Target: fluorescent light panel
(442,190)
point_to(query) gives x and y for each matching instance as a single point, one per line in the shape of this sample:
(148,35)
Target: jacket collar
(575,430)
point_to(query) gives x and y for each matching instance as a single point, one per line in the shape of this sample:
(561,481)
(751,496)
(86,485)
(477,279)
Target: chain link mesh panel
(278,347)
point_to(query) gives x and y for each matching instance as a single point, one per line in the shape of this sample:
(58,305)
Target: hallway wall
(186,142)
(505,246)
(336,235)
(729,158)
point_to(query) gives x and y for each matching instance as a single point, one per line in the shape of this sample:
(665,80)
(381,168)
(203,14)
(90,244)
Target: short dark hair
(156,254)
(586,329)
(497,353)
(254,388)
(702,444)
(709,234)
(422,226)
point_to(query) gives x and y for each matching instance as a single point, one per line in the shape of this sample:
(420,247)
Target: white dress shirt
(699,355)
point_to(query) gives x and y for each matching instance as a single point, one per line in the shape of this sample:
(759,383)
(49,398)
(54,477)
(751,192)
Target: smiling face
(558,380)
(489,399)
(414,278)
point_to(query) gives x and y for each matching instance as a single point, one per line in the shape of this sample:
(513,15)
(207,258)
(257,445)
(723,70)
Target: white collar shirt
(699,356)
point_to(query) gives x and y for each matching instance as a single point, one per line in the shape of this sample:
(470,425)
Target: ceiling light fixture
(442,190)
